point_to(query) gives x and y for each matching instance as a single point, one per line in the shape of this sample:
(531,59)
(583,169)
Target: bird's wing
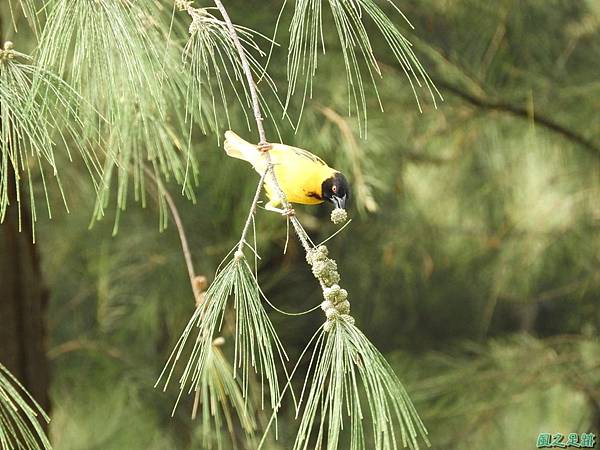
(300,174)
(299,152)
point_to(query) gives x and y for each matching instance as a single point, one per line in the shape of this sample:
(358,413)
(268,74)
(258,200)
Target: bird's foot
(264,147)
(289,212)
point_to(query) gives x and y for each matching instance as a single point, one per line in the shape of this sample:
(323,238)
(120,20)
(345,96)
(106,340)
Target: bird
(303,177)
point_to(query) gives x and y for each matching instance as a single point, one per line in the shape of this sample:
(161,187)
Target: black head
(336,190)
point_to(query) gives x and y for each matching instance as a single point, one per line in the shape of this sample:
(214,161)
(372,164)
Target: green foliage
(256,343)
(214,72)
(29,10)
(19,425)
(216,391)
(307,36)
(39,115)
(121,405)
(119,48)
(478,220)
(352,381)
(516,388)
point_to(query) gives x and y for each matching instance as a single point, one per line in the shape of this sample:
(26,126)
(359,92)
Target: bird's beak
(339,202)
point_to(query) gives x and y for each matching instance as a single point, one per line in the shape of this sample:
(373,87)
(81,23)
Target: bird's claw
(289,212)
(264,147)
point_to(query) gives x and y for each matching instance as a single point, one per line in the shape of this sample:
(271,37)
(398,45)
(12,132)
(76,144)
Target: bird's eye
(334,189)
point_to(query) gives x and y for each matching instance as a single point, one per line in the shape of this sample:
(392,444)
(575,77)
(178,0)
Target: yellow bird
(304,178)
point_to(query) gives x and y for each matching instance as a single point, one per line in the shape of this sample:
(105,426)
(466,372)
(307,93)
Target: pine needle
(255,339)
(348,380)
(219,397)
(214,70)
(38,112)
(350,19)
(19,425)
(29,11)
(120,48)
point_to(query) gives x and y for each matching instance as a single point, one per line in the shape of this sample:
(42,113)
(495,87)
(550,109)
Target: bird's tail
(236,147)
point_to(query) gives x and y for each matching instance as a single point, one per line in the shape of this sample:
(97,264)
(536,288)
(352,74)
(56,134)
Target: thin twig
(252,209)
(187,254)
(244,60)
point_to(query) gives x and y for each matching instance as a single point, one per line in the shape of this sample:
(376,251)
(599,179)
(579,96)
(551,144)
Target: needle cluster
(38,113)
(19,426)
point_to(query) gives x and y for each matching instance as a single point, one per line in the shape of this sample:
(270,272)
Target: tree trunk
(23,297)
(23,301)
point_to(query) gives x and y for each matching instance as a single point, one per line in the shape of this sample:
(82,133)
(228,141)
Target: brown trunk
(23,298)
(23,301)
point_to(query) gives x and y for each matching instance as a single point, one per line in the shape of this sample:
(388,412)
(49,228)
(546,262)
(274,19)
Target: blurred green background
(472,259)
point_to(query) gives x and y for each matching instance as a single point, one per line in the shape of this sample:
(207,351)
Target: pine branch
(119,47)
(345,358)
(247,71)
(256,343)
(350,22)
(185,247)
(214,69)
(519,111)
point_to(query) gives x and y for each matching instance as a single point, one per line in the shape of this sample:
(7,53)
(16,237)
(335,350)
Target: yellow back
(300,174)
